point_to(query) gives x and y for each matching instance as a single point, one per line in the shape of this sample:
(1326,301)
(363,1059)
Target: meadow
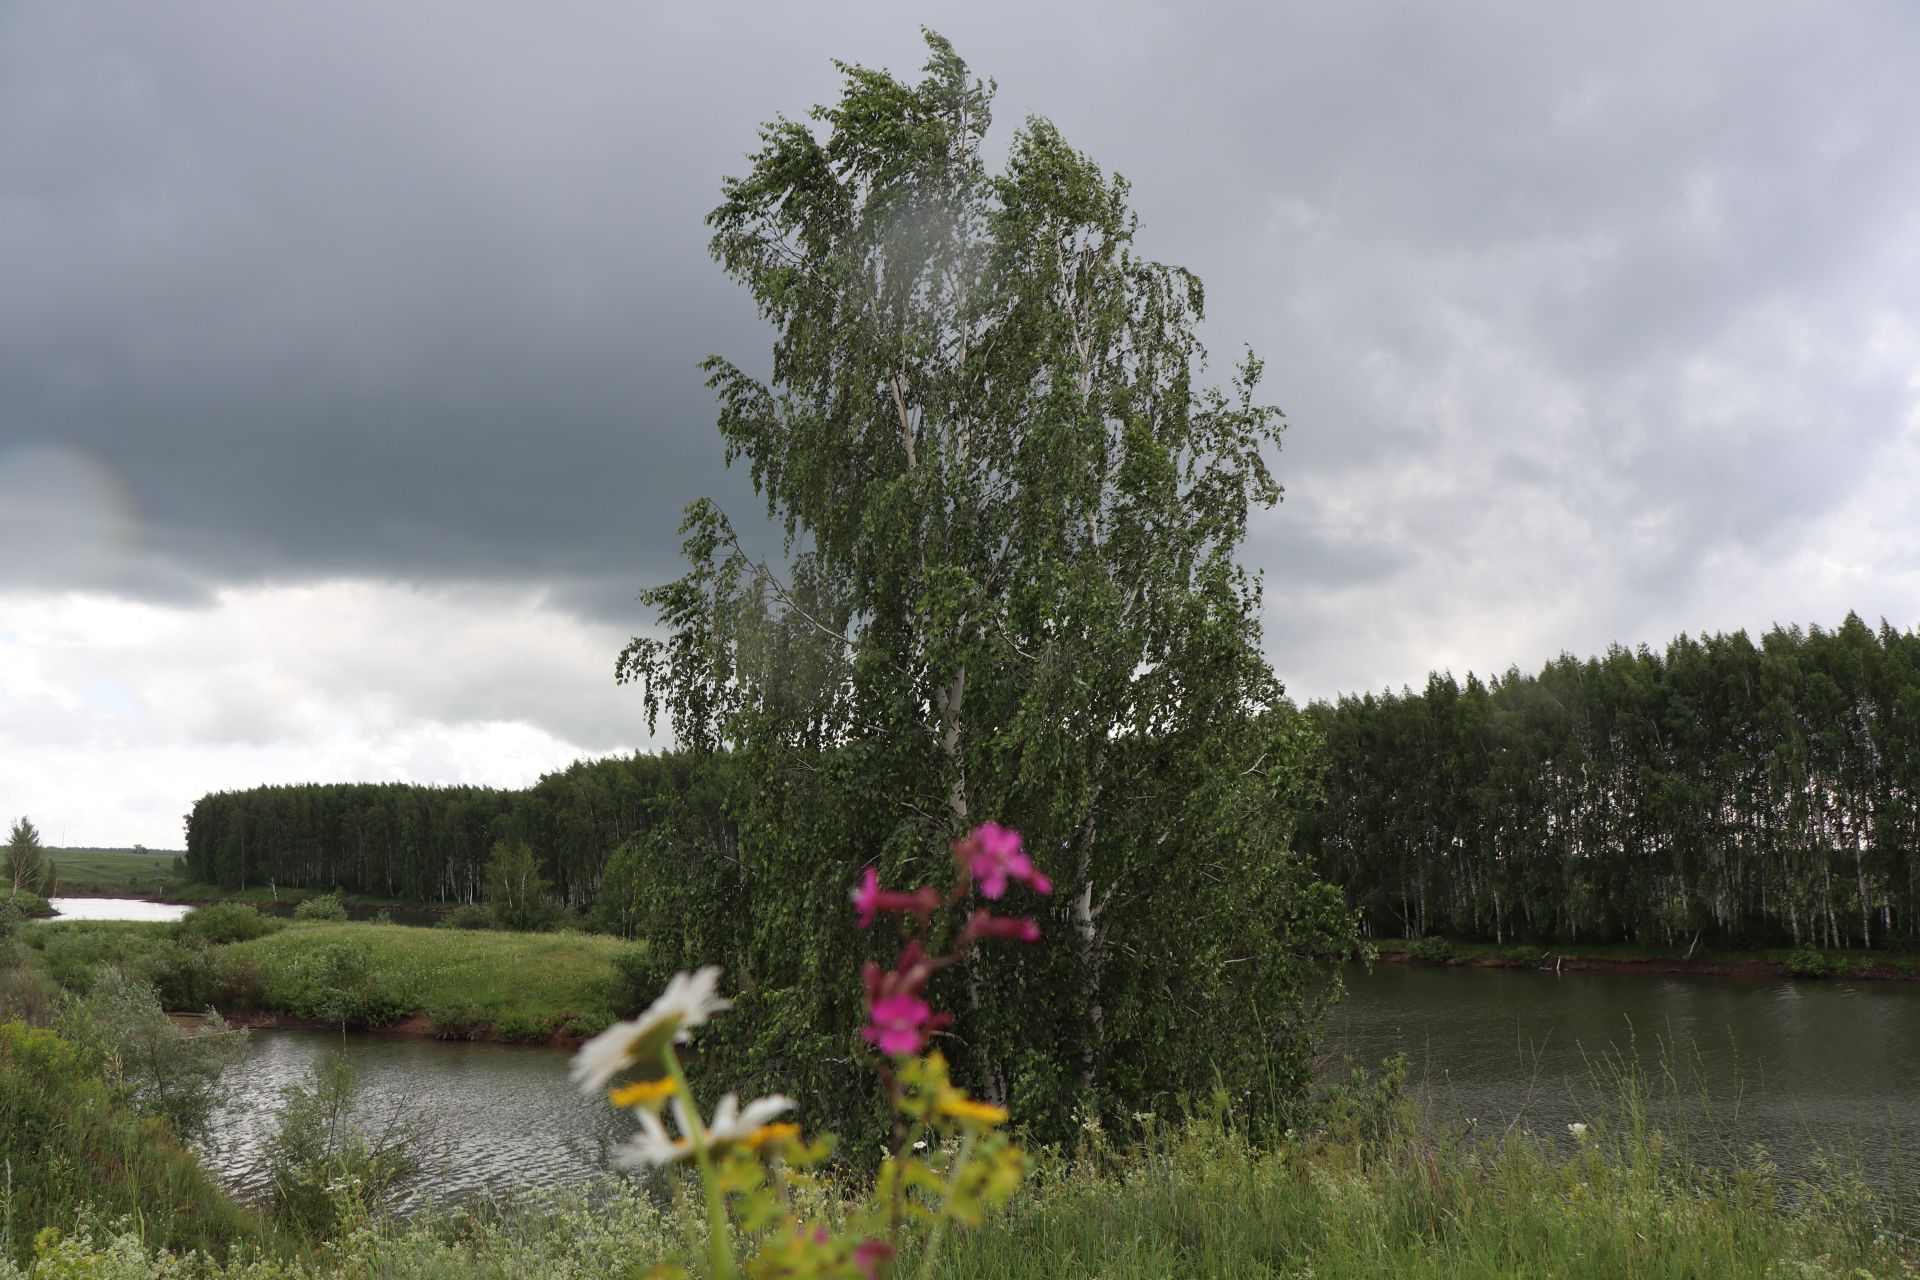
(115,872)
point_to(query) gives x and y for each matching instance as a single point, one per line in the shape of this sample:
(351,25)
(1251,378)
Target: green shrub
(1432,950)
(529,1028)
(1806,962)
(124,1036)
(225,922)
(337,984)
(239,980)
(459,1021)
(32,904)
(71,1146)
(468,915)
(322,1162)
(327,906)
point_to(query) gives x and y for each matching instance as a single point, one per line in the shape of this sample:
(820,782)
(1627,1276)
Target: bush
(71,1147)
(32,904)
(462,1021)
(322,1163)
(1432,950)
(121,1031)
(525,1028)
(239,980)
(225,922)
(468,915)
(1807,962)
(325,907)
(337,984)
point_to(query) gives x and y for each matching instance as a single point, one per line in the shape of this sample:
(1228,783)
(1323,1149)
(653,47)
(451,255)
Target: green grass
(114,871)
(520,985)
(71,1147)
(1199,1201)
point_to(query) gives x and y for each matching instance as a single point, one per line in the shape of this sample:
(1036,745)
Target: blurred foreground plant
(947,1161)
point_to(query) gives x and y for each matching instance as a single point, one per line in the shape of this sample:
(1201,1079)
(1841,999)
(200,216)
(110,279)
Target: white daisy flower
(651,1146)
(688,1002)
(731,1123)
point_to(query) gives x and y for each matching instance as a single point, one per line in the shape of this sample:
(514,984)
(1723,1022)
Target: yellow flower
(768,1134)
(642,1093)
(956,1105)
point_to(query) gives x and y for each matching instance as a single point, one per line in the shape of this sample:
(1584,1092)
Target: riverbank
(1803,963)
(451,984)
(448,983)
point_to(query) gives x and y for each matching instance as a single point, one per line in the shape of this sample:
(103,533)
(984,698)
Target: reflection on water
(1798,1067)
(501,1115)
(116,909)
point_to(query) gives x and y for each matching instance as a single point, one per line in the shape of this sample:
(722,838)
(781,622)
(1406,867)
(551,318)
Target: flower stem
(939,1232)
(719,1232)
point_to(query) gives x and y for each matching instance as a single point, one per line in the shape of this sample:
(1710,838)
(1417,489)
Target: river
(1798,1067)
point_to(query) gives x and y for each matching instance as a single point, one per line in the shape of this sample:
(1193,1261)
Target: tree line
(1723,791)
(433,844)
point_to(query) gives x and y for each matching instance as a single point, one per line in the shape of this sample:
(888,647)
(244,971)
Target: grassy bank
(454,983)
(1200,1201)
(481,983)
(1801,962)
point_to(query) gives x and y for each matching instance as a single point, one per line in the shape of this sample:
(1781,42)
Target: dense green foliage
(1722,792)
(124,1036)
(71,1146)
(432,844)
(1013,509)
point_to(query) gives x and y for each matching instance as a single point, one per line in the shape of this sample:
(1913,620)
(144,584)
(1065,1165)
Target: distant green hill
(114,871)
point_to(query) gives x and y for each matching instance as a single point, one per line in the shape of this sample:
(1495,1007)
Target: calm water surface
(116,909)
(501,1116)
(1798,1067)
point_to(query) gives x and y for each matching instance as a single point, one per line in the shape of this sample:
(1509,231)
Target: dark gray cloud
(1569,308)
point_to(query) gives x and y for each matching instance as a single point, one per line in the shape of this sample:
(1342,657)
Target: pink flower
(866,899)
(994,856)
(984,924)
(869,900)
(898,1024)
(870,1255)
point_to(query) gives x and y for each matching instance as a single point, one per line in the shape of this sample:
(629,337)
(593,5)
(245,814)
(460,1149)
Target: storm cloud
(1592,324)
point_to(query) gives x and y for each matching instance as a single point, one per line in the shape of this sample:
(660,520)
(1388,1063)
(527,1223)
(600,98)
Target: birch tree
(1012,509)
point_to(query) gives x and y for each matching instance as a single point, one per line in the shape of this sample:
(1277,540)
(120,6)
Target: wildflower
(644,1093)
(869,900)
(898,1024)
(984,924)
(871,1255)
(771,1135)
(732,1124)
(1578,1130)
(956,1105)
(688,1002)
(994,856)
(651,1147)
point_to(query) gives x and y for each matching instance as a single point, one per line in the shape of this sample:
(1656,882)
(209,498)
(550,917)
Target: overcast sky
(347,350)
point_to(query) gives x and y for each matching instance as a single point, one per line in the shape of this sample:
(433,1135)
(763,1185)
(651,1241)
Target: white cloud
(115,716)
